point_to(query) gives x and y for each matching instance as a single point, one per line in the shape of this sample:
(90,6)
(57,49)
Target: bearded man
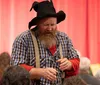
(55,52)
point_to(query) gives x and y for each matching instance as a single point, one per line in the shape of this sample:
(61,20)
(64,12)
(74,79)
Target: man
(4,63)
(15,75)
(74,80)
(97,74)
(55,53)
(84,72)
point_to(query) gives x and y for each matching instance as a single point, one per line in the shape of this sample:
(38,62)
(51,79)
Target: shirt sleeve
(27,67)
(19,49)
(75,69)
(71,52)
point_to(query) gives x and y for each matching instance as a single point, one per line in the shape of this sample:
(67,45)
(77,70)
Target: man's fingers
(51,76)
(53,71)
(62,60)
(59,60)
(64,63)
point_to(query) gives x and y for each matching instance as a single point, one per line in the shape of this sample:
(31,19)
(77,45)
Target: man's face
(47,25)
(47,31)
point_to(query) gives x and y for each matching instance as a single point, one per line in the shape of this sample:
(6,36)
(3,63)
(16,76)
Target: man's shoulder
(90,79)
(24,35)
(74,80)
(62,34)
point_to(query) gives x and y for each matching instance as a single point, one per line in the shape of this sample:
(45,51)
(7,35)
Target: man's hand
(65,64)
(47,73)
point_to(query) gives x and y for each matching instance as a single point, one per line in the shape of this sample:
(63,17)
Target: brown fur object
(74,80)
(4,61)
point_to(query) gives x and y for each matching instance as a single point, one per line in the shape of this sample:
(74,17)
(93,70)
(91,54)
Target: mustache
(52,32)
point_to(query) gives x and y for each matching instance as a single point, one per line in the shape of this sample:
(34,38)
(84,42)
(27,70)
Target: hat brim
(60,17)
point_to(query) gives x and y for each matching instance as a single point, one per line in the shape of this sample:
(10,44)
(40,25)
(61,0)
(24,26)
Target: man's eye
(46,25)
(52,24)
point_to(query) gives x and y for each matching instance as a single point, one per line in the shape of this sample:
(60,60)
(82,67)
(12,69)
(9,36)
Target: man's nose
(49,28)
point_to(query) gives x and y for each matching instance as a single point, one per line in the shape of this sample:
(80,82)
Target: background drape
(82,23)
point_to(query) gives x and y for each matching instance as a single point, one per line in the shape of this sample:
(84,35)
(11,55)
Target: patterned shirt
(23,53)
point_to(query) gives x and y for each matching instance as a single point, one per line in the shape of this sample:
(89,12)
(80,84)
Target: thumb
(62,59)
(59,60)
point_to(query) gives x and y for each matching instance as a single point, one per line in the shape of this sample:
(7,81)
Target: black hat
(45,9)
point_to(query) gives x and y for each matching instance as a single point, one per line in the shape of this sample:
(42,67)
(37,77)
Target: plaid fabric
(23,52)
